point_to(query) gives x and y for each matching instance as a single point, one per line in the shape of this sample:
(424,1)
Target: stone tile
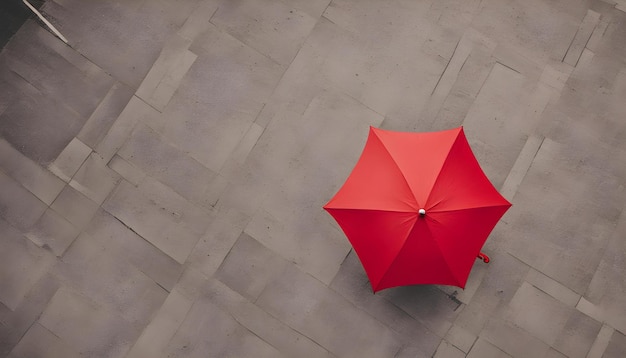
(150,23)
(287,340)
(553,288)
(520,168)
(582,36)
(248,267)
(355,63)
(603,297)
(306,305)
(242,150)
(167,72)
(216,243)
(447,350)
(460,338)
(209,331)
(94,179)
(559,243)
(616,347)
(40,342)
(111,281)
(103,117)
(86,327)
(495,136)
(74,207)
(274,28)
(539,314)
(70,160)
(108,234)
(352,283)
(240,81)
(22,264)
(18,206)
(433,308)
(58,72)
(32,120)
(553,353)
(517,23)
(123,126)
(162,327)
(160,216)
(578,335)
(45,185)
(151,153)
(484,349)
(513,340)
(15,323)
(198,21)
(494,292)
(314,8)
(128,171)
(53,232)
(602,342)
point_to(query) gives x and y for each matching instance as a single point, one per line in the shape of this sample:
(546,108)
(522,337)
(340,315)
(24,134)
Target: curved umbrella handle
(483,257)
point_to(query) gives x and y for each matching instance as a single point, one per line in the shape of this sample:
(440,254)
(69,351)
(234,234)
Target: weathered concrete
(162,176)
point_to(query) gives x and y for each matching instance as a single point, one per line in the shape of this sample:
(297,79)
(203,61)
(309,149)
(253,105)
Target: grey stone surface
(148,151)
(19,206)
(74,207)
(159,215)
(22,265)
(70,160)
(88,328)
(53,232)
(40,342)
(162,176)
(94,179)
(36,179)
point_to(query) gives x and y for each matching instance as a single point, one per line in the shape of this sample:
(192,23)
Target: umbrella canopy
(417,208)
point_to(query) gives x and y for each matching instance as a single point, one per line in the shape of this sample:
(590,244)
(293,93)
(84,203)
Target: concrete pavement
(162,177)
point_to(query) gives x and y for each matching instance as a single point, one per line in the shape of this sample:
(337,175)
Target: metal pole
(54,30)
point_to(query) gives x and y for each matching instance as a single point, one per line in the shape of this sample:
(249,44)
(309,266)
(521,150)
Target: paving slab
(154,155)
(159,215)
(209,330)
(19,206)
(88,328)
(123,245)
(240,81)
(39,181)
(53,232)
(163,176)
(287,340)
(275,28)
(107,25)
(40,342)
(74,207)
(303,303)
(23,264)
(94,179)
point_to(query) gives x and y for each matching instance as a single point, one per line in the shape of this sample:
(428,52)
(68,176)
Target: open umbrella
(417,208)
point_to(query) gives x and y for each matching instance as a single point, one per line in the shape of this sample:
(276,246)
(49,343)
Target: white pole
(56,32)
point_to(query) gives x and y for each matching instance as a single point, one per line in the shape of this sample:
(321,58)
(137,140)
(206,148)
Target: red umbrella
(417,208)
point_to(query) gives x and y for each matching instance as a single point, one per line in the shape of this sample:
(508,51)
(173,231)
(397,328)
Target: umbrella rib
(433,210)
(443,255)
(444,165)
(398,167)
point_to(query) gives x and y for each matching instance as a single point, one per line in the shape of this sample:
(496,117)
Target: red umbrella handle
(483,257)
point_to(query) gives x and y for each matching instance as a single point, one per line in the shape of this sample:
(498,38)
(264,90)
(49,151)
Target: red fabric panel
(377,236)
(375,183)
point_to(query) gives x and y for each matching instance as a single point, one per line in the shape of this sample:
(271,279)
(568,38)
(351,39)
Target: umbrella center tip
(422,212)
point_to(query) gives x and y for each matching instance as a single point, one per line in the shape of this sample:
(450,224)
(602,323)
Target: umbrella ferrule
(422,212)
